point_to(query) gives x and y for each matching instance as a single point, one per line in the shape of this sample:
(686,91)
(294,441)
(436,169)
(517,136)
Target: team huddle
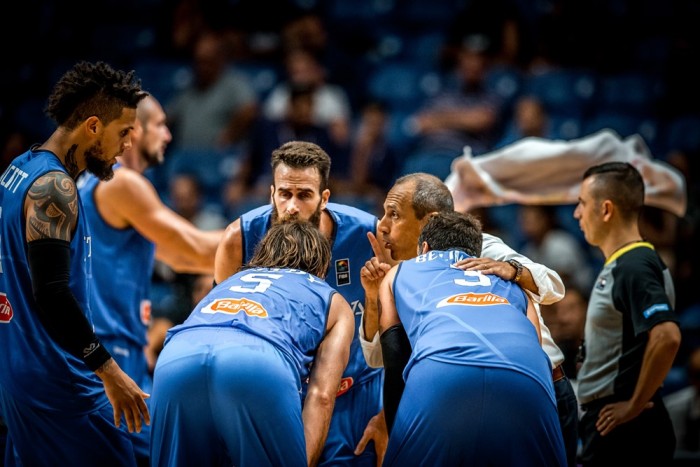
(330,337)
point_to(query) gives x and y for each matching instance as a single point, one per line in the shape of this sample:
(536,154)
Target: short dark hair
(430,194)
(90,89)
(453,230)
(619,182)
(300,155)
(293,244)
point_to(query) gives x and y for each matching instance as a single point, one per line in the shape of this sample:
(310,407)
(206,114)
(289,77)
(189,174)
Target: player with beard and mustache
(300,172)
(62,395)
(131,227)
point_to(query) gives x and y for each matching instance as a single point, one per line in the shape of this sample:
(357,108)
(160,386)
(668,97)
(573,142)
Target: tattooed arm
(51,207)
(51,213)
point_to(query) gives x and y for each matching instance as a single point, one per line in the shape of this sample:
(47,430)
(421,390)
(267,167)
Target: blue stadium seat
(262,76)
(400,134)
(683,133)
(163,78)
(212,168)
(423,48)
(345,10)
(428,14)
(564,92)
(565,128)
(30,119)
(403,85)
(506,81)
(626,125)
(630,92)
(125,41)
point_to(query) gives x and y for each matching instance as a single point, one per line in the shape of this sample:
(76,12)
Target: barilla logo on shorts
(234,305)
(471,299)
(345,385)
(5,309)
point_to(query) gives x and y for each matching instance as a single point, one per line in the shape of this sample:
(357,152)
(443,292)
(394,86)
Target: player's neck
(326,224)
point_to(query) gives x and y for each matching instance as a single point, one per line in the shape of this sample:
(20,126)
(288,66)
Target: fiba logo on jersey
(5,309)
(342,271)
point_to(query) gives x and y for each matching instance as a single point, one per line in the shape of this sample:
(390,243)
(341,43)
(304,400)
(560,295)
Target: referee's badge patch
(602,282)
(342,271)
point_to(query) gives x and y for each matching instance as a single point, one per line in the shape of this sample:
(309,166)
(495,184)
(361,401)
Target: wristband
(518,269)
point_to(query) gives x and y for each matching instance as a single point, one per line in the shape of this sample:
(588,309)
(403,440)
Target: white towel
(541,171)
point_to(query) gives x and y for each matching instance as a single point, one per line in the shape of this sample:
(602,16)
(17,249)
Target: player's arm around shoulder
(544,284)
(229,253)
(326,372)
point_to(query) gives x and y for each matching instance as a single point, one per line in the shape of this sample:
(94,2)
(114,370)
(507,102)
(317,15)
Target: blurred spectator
(14,144)
(687,242)
(372,159)
(466,114)
(501,22)
(188,21)
(306,31)
(491,221)
(170,290)
(660,228)
(297,124)
(547,243)
(331,106)
(198,287)
(217,109)
(684,408)
(566,319)
(529,119)
(186,199)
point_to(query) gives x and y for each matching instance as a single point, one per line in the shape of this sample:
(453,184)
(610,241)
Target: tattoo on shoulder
(53,207)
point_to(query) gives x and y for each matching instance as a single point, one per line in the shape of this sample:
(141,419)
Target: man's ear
(325,196)
(607,208)
(424,248)
(93,125)
(426,218)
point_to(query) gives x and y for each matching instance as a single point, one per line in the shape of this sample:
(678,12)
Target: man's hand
(375,430)
(375,269)
(371,276)
(487,266)
(502,269)
(126,397)
(616,414)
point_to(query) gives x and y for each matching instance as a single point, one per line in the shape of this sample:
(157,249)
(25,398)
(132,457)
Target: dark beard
(70,163)
(315,218)
(152,159)
(102,169)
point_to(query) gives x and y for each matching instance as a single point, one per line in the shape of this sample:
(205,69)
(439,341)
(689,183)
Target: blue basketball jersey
(287,307)
(350,250)
(467,318)
(122,266)
(28,356)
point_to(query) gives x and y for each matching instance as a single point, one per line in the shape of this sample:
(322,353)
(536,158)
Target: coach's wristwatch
(518,269)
